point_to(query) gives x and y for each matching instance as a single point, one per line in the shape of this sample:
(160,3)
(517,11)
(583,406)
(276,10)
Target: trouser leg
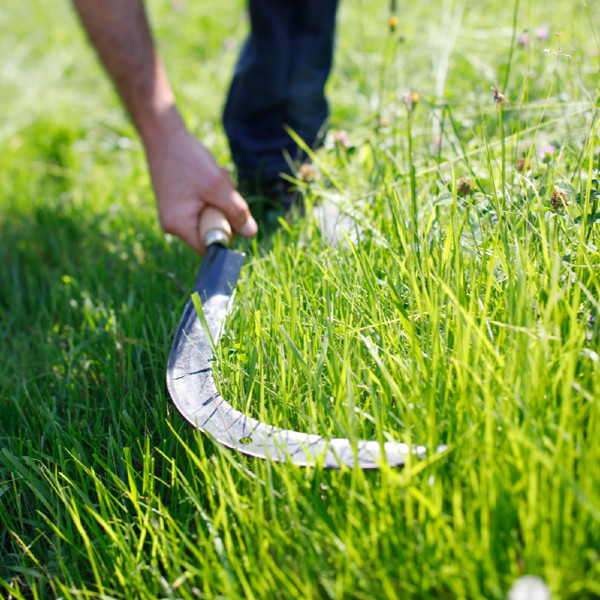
(279,81)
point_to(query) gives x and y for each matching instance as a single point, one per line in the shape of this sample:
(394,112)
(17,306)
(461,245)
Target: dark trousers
(279,81)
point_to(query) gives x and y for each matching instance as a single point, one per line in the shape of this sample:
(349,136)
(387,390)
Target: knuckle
(215,184)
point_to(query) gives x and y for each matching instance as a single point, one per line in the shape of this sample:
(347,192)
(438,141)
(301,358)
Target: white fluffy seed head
(529,587)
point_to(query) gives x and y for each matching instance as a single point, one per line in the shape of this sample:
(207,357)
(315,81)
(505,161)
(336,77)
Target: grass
(466,314)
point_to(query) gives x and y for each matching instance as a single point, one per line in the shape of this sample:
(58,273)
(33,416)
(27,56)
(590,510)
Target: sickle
(194,392)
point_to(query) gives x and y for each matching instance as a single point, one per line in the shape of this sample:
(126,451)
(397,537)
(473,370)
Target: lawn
(464,141)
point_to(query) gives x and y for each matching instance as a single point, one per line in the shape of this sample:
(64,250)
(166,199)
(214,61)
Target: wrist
(154,111)
(158,127)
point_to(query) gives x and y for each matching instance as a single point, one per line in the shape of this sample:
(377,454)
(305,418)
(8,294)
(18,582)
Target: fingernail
(249,228)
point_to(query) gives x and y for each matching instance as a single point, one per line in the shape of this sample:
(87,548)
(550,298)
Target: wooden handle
(214,228)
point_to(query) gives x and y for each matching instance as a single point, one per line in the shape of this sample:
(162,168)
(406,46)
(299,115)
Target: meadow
(463,311)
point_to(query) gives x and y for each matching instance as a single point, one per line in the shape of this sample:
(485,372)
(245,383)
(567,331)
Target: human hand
(186,178)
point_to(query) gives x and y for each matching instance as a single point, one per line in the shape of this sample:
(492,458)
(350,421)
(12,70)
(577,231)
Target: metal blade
(192,387)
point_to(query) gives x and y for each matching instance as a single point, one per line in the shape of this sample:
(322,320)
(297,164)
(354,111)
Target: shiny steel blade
(194,392)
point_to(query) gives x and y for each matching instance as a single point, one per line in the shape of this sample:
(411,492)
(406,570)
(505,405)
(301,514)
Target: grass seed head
(499,97)
(307,173)
(340,138)
(558,200)
(410,99)
(464,187)
(522,165)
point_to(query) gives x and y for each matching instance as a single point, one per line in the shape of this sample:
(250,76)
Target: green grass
(468,319)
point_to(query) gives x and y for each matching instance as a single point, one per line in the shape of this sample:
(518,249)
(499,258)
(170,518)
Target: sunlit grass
(465,313)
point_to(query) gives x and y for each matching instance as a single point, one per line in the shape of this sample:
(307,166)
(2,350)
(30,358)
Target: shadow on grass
(87,309)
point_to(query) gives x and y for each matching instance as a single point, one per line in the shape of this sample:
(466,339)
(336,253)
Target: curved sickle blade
(193,390)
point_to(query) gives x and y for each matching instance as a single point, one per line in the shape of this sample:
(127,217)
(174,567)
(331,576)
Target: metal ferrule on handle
(216,236)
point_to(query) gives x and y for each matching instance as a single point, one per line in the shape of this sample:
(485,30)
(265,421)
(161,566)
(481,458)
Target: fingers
(185,226)
(191,236)
(238,214)
(225,197)
(221,194)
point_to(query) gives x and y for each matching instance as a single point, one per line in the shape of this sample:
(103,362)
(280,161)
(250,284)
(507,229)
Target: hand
(186,178)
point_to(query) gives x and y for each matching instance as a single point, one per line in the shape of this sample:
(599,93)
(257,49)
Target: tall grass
(461,310)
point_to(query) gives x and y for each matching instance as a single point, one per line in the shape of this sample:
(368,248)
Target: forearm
(185,176)
(119,31)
